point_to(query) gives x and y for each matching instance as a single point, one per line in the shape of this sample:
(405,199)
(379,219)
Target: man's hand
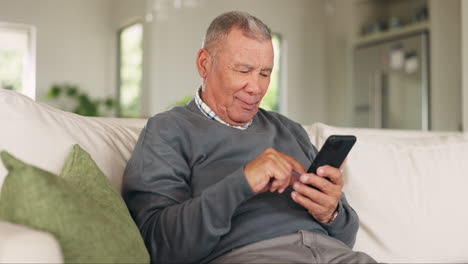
(322,202)
(271,171)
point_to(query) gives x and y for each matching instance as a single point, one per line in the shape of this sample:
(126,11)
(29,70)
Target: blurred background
(358,63)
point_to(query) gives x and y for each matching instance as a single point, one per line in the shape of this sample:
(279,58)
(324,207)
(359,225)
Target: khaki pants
(302,247)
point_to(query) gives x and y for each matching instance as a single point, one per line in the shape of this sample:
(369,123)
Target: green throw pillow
(81,209)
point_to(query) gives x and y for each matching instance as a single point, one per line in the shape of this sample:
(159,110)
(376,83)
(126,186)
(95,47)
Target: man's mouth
(248,105)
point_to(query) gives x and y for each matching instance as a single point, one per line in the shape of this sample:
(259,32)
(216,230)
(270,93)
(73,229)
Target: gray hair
(220,27)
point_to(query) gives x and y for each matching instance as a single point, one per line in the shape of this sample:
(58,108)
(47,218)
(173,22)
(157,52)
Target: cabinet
(345,31)
(391,62)
(379,20)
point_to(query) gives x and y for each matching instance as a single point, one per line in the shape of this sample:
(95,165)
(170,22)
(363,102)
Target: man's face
(238,77)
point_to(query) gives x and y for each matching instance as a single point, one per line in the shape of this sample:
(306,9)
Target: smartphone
(333,152)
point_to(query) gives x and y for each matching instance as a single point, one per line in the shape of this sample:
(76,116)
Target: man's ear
(203,62)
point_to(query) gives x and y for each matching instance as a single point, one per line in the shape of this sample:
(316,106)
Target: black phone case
(333,152)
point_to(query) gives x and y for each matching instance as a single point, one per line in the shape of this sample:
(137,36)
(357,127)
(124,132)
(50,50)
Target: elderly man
(220,180)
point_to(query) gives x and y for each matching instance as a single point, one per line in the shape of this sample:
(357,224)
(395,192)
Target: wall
(73,42)
(339,39)
(446,108)
(175,43)
(464,25)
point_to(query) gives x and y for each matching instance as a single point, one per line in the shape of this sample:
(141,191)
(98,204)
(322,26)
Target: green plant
(184,100)
(7,85)
(79,101)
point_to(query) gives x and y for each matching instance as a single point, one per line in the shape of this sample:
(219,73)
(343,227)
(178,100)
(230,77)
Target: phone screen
(333,152)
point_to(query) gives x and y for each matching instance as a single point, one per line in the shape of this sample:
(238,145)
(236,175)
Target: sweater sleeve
(176,227)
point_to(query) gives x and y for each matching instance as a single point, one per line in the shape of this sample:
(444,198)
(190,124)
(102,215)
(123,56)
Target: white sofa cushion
(20,244)
(43,136)
(408,188)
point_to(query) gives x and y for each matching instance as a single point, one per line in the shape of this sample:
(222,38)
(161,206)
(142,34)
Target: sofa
(408,187)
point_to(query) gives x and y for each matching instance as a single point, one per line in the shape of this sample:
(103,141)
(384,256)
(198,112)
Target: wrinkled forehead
(237,46)
(255,56)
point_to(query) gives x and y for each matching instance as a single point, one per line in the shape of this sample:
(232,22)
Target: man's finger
(296,166)
(280,176)
(314,195)
(331,173)
(318,182)
(319,211)
(288,165)
(312,207)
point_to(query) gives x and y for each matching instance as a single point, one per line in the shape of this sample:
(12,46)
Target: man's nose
(253,85)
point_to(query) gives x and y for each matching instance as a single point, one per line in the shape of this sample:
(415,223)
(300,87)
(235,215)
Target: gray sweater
(186,189)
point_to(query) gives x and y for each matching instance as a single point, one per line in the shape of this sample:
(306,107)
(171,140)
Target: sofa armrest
(20,244)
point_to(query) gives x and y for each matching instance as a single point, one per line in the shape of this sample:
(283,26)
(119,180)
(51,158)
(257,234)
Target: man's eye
(244,71)
(264,74)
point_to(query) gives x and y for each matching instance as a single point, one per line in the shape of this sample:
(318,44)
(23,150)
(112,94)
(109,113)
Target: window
(17,58)
(271,100)
(130,70)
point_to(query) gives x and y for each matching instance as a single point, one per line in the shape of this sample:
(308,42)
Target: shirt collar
(208,112)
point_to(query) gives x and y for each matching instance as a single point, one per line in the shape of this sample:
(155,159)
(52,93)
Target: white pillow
(408,188)
(43,136)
